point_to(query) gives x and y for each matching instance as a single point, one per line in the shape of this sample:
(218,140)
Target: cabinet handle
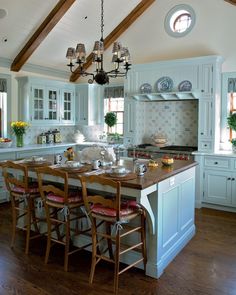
(228,178)
(216,163)
(233,179)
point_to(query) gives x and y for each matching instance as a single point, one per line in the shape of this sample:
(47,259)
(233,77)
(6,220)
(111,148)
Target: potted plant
(110,120)
(232,124)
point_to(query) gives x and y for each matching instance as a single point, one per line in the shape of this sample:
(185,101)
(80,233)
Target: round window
(180,20)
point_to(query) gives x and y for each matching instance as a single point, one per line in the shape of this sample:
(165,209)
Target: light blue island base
(170,226)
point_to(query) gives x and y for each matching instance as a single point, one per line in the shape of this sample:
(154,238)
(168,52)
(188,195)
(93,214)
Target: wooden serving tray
(129,176)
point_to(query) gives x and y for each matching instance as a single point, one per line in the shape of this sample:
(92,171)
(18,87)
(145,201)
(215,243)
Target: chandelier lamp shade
(120,59)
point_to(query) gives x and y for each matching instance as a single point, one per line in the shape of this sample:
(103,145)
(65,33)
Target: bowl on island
(5,142)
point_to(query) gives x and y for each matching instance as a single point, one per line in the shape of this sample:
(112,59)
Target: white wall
(213,34)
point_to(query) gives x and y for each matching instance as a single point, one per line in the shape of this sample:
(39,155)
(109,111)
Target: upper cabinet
(89,104)
(46,102)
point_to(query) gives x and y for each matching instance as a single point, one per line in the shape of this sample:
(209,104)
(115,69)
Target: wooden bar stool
(114,215)
(62,210)
(23,195)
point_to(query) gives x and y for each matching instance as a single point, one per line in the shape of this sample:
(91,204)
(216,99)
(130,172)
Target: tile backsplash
(177,120)
(91,133)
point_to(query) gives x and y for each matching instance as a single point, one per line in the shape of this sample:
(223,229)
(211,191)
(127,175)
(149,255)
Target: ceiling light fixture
(121,55)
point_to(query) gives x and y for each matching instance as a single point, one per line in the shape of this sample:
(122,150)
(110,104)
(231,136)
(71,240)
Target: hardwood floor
(207,265)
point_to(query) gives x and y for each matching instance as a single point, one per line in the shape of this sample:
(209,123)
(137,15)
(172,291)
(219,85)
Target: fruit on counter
(166,160)
(2,139)
(152,163)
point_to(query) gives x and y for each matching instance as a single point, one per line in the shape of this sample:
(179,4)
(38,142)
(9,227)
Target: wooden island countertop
(155,174)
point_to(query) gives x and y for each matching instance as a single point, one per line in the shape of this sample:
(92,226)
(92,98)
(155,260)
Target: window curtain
(231,85)
(3,85)
(114,92)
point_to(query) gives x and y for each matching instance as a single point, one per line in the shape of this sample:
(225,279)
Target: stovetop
(179,148)
(169,148)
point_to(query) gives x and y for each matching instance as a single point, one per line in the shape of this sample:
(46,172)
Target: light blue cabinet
(46,102)
(89,104)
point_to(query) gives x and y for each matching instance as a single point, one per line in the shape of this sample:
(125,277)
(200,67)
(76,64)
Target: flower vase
(19,140)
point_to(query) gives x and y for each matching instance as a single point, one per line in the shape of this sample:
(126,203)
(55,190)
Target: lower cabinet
(4,195)
(219,181)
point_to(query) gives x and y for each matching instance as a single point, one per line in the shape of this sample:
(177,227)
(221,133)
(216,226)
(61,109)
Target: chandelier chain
(102,18)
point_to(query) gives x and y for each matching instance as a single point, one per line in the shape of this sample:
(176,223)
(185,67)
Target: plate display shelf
(176,95)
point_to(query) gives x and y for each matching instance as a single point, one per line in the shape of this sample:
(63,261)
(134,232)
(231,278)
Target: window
(232,104)
(180,20)
(115,105)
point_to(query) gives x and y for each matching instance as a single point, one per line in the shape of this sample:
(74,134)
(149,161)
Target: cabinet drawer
(205,145)
(216,162)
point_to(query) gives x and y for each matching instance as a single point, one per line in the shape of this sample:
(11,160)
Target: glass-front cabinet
(68,107)
(46,102)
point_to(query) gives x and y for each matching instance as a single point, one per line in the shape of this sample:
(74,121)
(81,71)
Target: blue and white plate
(146,88)
(164,84)
(185,86)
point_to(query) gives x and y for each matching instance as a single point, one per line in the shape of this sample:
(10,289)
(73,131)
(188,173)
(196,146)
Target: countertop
(156,174)
(36,147)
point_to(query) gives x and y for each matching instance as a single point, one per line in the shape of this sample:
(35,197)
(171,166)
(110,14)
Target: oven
(148,151)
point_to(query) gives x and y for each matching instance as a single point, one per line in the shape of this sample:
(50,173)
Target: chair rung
(80,248)
(131,265)
(130,230)
(104,258)
(130,248)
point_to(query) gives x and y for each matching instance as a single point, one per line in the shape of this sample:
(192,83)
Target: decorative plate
(185,86)
(164,84)
(146,88)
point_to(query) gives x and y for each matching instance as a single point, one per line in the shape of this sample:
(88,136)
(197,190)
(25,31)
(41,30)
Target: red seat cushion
(33,188)
(73,197)
(126,208)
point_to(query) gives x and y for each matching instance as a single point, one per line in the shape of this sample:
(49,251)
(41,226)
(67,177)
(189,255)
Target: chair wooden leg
(143,238)
(14,219)
(67,243)
(117,263)
(94,253)
(28,224)
(49,234)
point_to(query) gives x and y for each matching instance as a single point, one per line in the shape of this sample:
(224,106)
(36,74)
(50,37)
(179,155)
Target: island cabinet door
(176,199)
(233,183)
(217,187)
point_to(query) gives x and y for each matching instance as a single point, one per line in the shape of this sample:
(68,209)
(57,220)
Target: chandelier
(120,58)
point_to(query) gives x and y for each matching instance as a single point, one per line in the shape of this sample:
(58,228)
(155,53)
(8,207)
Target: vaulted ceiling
(39,32)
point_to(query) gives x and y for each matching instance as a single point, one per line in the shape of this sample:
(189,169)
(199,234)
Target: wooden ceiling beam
(41,33)
(115,34)
(233,2)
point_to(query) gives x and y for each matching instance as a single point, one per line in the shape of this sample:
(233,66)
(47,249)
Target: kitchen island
(168,195)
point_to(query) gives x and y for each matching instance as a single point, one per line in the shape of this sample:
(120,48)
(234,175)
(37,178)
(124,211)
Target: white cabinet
(4,195)
(218,187)
(45,102)
(219,181)
(67,107)
(129,120)
(205,125)
(88,104)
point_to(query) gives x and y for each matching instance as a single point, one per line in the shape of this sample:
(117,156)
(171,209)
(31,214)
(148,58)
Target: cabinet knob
(202,133)
(228,178)
(202,90)
(216,163)
(205,144)
(233,179)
